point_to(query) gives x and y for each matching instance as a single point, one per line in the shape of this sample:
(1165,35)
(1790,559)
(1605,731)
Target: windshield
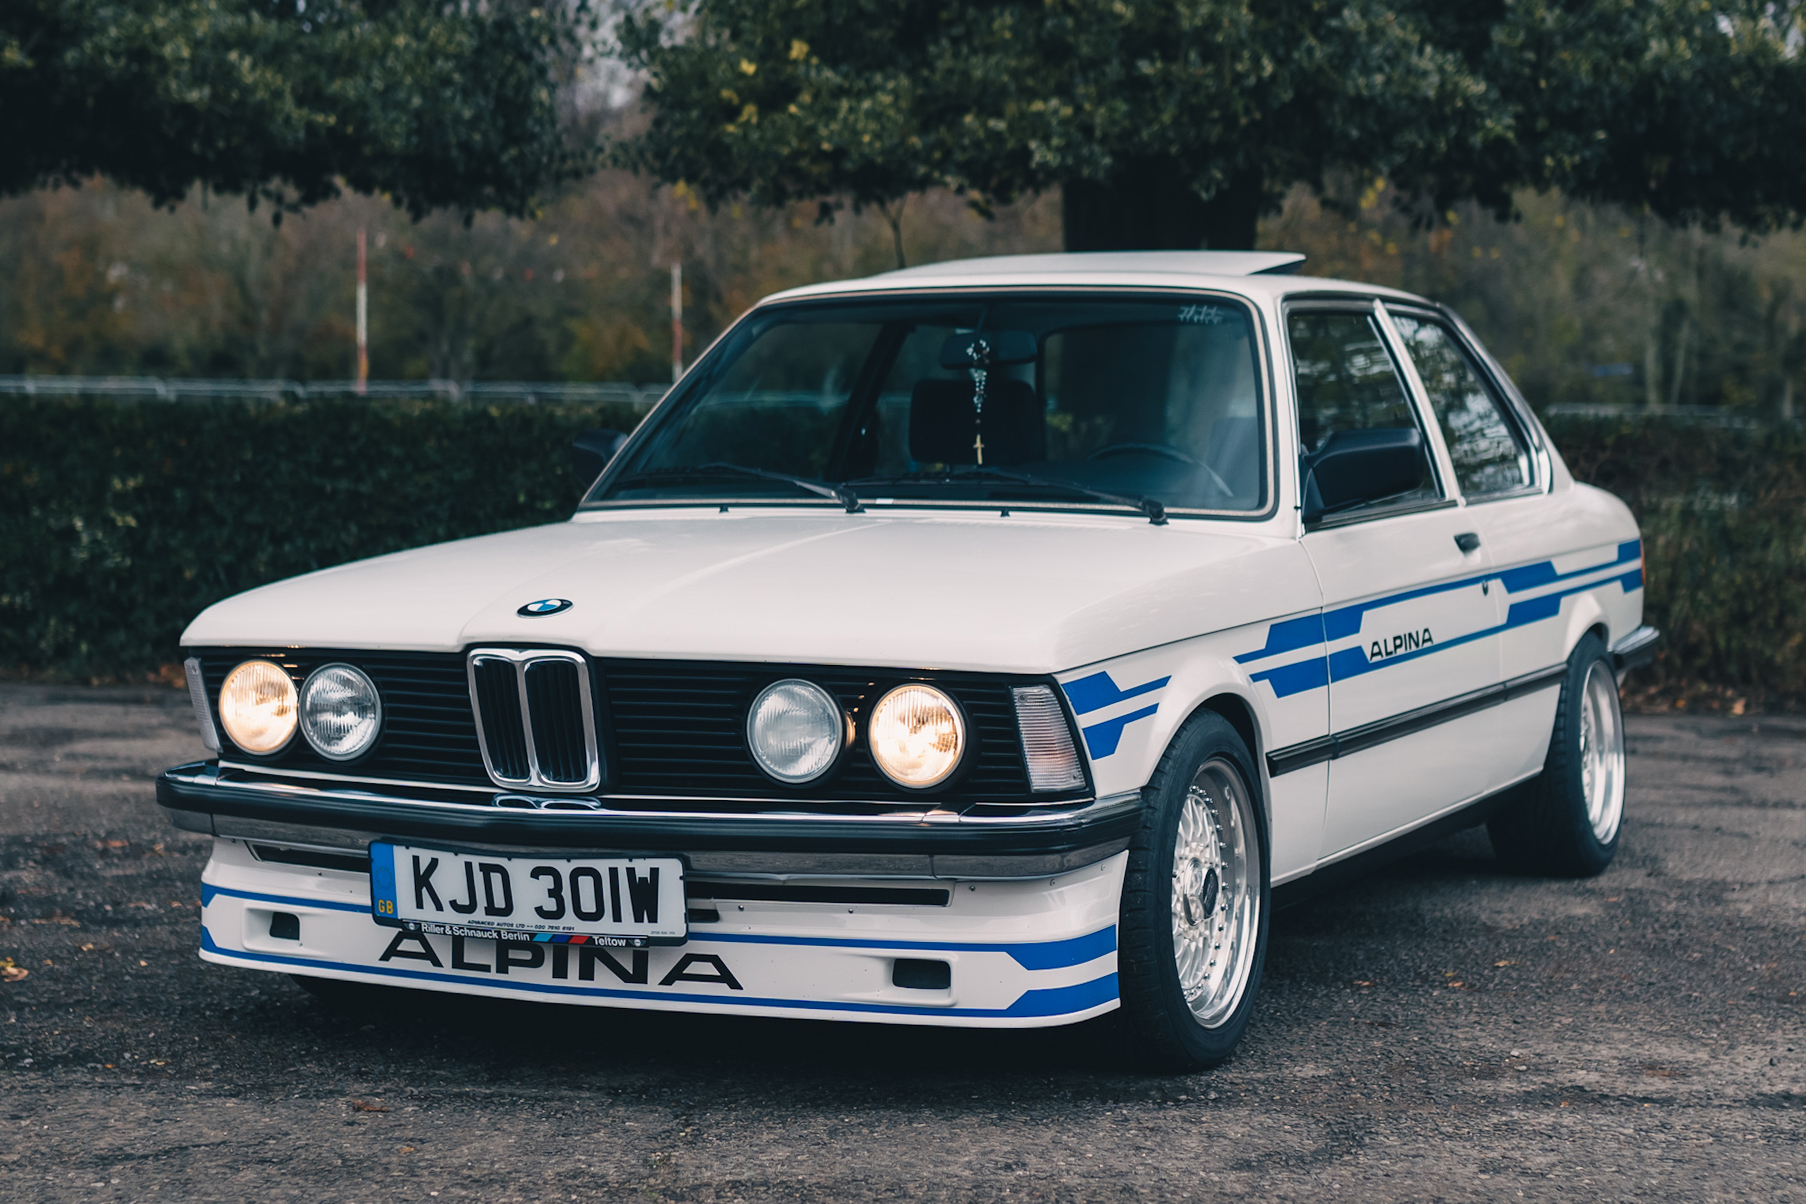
(1062,400)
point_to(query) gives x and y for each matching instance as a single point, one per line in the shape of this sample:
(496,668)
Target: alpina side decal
(1291,635)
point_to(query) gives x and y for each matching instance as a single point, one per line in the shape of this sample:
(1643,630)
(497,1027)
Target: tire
(1200,802)
(1566,822)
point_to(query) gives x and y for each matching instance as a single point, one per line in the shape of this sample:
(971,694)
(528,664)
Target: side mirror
(1354,468)
(988,348)
(592,450)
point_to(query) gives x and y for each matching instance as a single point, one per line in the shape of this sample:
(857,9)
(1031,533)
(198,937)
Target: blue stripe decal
(1345,663)
(1041,1002)
(1287,635)
(1297,677)
(1033,955)
(1290,635)
(1100,690)
(207,893)
(1030,955)
(1344,622)
(1101,739)
(1530,576)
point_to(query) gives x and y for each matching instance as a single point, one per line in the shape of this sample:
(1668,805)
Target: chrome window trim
(521,659)
(1373,308)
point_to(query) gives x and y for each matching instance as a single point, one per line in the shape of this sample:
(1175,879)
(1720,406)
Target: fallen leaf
(407,1149)
(1496,964)
(1361,982)
(12,973)
(358,1105)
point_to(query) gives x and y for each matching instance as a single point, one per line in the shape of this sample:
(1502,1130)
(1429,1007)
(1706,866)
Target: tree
(281,100)
(1177,123)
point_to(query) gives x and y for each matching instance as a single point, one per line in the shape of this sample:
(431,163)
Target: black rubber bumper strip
(1027,836)
(1635,650)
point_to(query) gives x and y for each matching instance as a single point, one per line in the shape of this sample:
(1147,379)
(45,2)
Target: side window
(1346,381)
(1489,455)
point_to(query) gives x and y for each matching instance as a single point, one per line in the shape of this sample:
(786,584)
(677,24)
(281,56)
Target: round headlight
(257,707)
(341,712)
(917,735)
(795,730)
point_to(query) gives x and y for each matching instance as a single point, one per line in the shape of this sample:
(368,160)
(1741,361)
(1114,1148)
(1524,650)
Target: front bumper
(1017,843)
(1025,953)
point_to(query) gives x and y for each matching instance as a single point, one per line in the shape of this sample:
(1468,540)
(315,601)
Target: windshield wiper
(840,493)
(1149,506)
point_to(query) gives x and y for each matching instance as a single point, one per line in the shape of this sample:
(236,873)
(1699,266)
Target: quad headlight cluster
(797,733)
(337,710)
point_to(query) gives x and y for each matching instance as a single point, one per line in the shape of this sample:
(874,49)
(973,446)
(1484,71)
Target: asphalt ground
(1440,1030)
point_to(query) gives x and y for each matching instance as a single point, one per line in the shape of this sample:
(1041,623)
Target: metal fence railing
(1698,415)
(482,392)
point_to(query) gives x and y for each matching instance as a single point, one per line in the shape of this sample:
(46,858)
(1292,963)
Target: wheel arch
(1238,712)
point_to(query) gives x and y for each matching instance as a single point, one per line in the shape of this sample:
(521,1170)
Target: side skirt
(1340,873)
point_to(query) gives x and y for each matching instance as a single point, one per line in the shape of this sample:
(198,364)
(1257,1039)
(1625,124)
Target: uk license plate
(608,900)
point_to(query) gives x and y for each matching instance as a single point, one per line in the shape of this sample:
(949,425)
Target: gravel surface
(1439,1031)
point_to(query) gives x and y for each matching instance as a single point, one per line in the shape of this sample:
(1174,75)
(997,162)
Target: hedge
(118,523)
(1723,513)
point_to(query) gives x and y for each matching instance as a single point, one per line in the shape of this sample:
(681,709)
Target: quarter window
(1488,454)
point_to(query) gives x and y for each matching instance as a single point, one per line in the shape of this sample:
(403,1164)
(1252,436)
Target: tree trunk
(1146,208)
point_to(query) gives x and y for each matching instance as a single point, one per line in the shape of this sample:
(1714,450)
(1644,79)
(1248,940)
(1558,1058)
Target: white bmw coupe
(992,643)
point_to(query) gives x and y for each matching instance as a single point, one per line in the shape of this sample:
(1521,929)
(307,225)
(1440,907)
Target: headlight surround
(917,735)
(796,731)
(341,712)
(257,706)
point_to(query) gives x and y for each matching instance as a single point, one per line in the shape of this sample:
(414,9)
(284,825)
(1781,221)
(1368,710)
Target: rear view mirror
(1354,468)
(592,450)
(988,348)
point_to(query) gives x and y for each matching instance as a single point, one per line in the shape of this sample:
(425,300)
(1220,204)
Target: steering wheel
(1164,452)
(1146,449)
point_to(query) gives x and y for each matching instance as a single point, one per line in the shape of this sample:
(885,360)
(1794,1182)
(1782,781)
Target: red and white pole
(363,318)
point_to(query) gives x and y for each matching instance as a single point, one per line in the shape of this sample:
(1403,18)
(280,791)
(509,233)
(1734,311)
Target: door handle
(1467,541)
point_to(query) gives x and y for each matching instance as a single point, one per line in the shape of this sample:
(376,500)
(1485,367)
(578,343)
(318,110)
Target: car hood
(1020,592)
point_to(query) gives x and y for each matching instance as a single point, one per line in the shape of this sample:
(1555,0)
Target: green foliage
(433,104)
(876,99)
(1588,303)
(1723,512)
(118,524)
(1175,123)
(96,281)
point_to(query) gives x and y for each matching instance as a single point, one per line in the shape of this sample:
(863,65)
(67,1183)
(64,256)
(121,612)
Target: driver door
(1410,618)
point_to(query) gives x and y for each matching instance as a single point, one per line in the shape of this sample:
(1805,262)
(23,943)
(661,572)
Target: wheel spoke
(1215,892)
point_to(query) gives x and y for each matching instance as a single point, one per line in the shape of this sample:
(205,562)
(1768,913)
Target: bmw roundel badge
(545,606)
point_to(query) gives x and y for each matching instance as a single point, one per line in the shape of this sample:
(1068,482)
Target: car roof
(1250,273)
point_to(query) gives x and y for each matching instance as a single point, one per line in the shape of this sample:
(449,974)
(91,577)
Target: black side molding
(1369,735)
